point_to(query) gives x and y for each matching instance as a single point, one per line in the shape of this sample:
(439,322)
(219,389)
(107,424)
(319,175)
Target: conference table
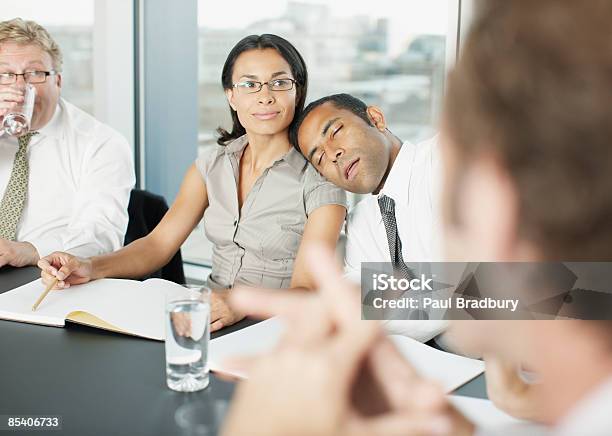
(104,383)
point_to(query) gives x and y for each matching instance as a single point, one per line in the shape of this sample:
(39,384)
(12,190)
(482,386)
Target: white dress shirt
(80,177)
(591,416)
(414,183)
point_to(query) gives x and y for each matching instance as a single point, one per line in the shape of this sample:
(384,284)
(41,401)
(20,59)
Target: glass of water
(187,337)
(17,121)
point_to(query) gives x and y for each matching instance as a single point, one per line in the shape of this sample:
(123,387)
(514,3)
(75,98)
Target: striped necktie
(14,198)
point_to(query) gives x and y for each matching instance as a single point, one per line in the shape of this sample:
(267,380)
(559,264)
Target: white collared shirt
(80,177)
(414,183)
(591,416)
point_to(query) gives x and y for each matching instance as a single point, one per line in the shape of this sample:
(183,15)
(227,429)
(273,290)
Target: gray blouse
(257,245)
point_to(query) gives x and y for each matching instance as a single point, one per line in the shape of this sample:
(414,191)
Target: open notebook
(450,370)
(124,306)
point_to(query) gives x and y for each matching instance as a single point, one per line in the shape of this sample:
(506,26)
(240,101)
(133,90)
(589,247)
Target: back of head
(533,85)
(24,32)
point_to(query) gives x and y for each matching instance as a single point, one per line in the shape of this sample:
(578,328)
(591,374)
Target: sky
(50,12)
(408,17)
(419,16)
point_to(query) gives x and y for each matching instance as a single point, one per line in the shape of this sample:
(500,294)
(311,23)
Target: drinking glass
(187,338)
(17,121)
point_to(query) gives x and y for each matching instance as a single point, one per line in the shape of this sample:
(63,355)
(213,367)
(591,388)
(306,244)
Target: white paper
(448,369)
(134,307)
(249,341)
(492,421)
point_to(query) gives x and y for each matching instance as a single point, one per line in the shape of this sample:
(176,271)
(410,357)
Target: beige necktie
(16,191)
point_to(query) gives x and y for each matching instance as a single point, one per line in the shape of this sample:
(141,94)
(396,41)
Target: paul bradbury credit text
(455,302)
(486,290)
(417,294)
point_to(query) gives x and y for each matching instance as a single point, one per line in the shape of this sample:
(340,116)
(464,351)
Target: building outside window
(73,32)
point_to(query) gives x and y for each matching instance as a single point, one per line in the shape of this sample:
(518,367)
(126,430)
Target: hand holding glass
(17,121)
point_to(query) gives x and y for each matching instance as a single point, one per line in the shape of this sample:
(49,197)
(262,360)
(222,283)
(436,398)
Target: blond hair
(20,31)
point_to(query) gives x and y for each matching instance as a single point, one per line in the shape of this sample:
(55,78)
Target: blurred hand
(222,314)
(68,269)
(332,373)
(17,253)
(10,97)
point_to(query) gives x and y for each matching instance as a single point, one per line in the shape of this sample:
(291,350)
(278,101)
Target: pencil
(44,294)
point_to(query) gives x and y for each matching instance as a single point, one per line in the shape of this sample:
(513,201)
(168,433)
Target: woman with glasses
(260,199)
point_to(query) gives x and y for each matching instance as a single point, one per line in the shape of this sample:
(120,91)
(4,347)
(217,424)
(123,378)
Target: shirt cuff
(46,246)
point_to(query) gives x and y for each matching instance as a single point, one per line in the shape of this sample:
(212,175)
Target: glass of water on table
(187,337)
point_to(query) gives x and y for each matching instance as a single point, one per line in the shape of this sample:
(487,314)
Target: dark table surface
(99,382)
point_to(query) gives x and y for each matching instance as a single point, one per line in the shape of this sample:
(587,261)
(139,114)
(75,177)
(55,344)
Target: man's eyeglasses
(251,87)
(28,77)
